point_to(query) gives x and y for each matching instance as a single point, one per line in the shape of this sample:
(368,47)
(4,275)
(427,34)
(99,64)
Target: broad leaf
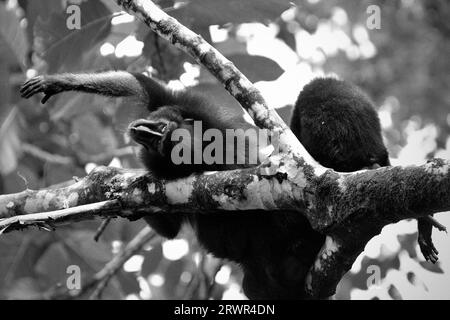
(64,48)
(219,12)
(257,68)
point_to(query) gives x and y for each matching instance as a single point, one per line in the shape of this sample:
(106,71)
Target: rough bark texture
(349,208)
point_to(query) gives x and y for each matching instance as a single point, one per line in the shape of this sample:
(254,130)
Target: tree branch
(334,203)
(350,208)
(101,279)
(48,220)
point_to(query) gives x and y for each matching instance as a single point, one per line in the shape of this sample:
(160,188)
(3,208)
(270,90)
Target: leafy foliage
(217,12)
(62,48)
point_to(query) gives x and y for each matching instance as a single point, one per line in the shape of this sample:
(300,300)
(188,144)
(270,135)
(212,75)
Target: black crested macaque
(333,119)
(338,125)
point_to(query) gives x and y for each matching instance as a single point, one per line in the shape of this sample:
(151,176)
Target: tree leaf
(61,47)
(219,12)
(94,137)
(257,68)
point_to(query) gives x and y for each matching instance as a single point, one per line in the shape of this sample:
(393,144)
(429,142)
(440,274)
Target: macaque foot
(425,226)
(428,249)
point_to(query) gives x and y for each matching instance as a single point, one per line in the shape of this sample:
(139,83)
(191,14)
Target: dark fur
(272,249)
(333,119)
(338,125)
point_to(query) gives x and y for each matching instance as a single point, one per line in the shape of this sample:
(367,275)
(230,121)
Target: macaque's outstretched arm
(111,83)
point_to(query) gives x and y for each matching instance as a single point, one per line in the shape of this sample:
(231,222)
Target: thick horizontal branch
(349,206)
(383,196)
(139,193)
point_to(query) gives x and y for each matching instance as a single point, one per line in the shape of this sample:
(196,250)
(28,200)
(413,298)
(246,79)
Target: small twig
(159,54)
(82,158)
(107,155)
(101,278)
(102,228)
(53,217)
(6,123)
(46,156)
(202,282)
(25,181)
(203,278)
(212,282)
(191,287)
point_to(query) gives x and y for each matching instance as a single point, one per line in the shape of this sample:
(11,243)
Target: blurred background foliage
(404,67)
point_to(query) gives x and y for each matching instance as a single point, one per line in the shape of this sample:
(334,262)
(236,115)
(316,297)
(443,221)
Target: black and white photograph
(224,155)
